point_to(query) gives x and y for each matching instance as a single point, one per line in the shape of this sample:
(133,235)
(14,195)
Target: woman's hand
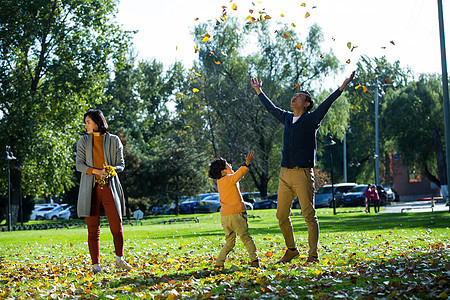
(347,81)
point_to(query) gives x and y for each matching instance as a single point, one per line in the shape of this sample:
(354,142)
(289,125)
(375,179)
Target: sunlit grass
(361,255)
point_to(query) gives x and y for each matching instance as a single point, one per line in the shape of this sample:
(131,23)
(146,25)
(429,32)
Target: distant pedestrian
(375,199)
(367,197)
(233,212)
(99,157)
(297,162)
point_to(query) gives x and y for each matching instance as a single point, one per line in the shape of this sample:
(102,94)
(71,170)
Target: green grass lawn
(399,256)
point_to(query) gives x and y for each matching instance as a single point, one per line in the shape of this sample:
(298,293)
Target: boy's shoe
(288,256)
(255,263)
(123,265)
(312,260)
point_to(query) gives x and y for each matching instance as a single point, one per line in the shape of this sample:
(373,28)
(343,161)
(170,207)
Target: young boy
(233,212)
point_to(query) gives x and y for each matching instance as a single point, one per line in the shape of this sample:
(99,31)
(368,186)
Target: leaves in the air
(351,47)
(299,47)
(195,90)
(206,37)
(307,15)
(387,81)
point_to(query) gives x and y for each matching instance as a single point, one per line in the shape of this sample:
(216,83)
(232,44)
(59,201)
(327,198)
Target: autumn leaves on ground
(398,256)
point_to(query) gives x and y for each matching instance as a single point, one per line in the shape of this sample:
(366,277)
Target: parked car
(269,202)
(45,205)
(69,212)
(38,213)
(187,206)
(323,197)
(53,214)
(208,204)
(251,197)
(212,204)
(355,196)
(390,195)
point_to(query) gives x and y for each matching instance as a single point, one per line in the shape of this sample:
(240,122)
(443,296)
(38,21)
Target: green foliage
(54,64)
(414,120)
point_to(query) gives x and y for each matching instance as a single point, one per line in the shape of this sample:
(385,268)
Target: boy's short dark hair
(98,118)
(216,167)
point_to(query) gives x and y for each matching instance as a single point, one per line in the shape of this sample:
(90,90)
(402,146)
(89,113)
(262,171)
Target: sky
(404,30)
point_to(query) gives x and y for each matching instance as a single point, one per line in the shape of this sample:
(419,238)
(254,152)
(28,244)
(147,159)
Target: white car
(45,205)
(38,213)
(53,214)
(68,213)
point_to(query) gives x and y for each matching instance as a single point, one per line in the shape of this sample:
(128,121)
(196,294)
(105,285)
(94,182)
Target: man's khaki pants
(232,225)
(297,182)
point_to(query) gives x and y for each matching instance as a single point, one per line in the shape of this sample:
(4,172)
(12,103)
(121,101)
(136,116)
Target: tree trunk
(440,155)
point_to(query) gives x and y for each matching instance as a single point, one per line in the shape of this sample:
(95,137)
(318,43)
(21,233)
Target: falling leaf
(196,19)
(383,47)
(199,75)
(297,86)
(307,15)
(364,89)
(286,35)
(217,23)
(196,49)
(206,37)
(349,45)
(212,53)
(314,7)
(392,42)
(299,47)
(217,62)
(348,61)
(250,11)
(234,6)
(357,87)
(282,15)
(387,81)
(303,4)
(267,17)
(195,90)
(321,55)
(292,24)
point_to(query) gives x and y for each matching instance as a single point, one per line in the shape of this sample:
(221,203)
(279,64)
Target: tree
(414,121)
(361,135)
(54,62)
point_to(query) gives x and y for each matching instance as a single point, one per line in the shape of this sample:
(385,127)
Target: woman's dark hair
(216,167)
(97,116)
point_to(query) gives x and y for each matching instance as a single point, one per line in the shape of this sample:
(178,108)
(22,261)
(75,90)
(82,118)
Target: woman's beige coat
(113,157)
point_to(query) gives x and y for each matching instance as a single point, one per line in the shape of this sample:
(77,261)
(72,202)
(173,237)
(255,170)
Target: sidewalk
(414,206)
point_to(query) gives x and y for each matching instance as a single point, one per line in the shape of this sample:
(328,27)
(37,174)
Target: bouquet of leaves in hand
(110,172)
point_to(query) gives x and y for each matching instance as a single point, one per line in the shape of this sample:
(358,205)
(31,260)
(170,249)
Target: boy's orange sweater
(230,195)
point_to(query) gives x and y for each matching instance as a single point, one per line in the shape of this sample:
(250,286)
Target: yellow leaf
(299,47)
(196,49)
(348,61)
(303,4)
(234,6)
(364,89)
(199,75)
(217,62)
(196,19)
(307,15)
(357,87)
(292,24)
(267,17)
(349,45)
(443,295)
(206,38)
(195,90)
(282,15)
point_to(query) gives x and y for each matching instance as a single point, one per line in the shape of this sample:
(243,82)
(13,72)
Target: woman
(99,156)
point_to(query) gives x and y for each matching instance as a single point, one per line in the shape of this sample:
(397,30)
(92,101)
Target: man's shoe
(288,256)
(312,260)
(123,265)
(255,263)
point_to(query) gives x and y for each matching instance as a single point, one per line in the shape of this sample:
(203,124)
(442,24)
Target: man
(296,175)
